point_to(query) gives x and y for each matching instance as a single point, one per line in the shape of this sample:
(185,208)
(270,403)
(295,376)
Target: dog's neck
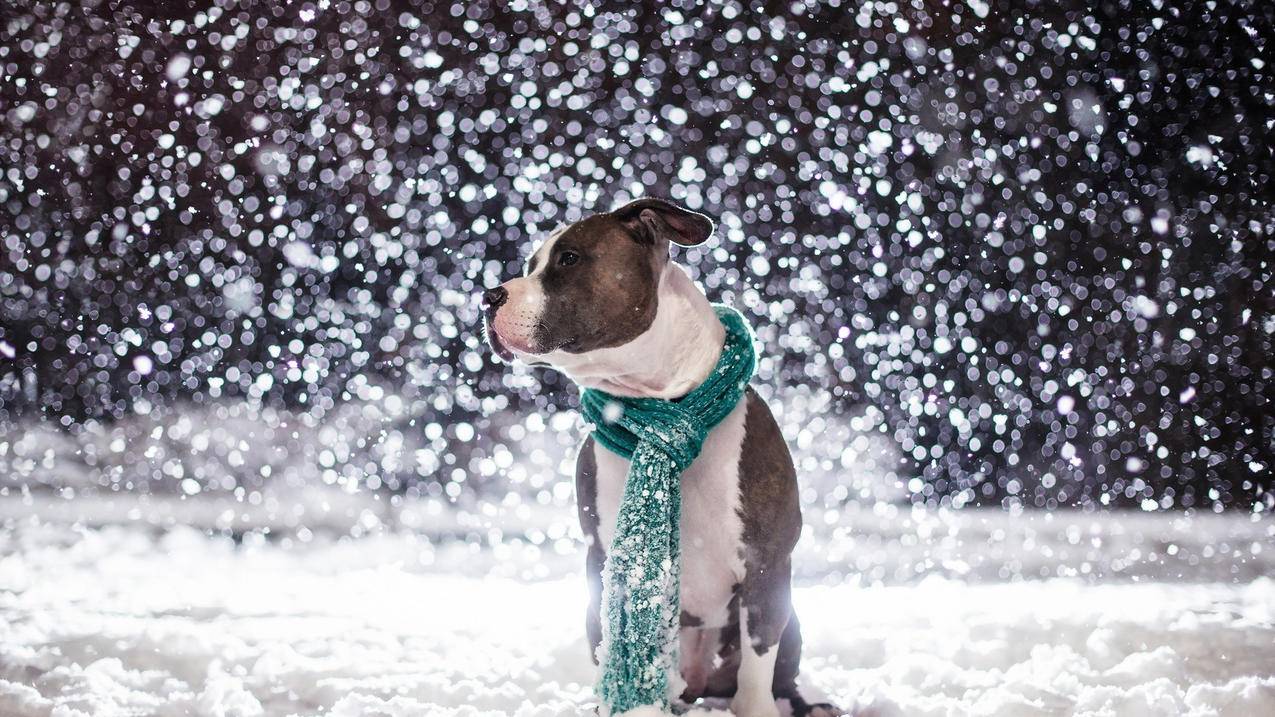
(673,356)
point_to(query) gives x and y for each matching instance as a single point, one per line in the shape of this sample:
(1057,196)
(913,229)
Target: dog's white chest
(711,531)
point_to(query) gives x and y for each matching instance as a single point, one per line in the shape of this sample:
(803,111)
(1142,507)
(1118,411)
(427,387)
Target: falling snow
(953,225)
(1002,259)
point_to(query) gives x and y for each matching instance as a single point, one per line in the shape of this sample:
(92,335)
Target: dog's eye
(568,258)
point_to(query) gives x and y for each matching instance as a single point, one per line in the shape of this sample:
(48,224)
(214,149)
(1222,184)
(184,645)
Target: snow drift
(135,619)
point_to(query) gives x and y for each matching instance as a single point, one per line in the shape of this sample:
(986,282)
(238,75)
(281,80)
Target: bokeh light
(1012,255)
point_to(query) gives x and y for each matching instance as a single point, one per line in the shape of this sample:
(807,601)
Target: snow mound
(131,621)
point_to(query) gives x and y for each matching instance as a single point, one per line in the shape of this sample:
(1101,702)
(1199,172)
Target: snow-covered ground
(1152,615)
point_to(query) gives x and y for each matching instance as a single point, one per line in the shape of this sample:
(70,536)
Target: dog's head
(591,285)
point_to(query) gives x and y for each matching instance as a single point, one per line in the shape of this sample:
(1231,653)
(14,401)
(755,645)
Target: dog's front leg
(587,506)
(595,559)
(765,606)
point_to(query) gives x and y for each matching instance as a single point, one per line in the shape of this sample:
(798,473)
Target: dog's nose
(494,298)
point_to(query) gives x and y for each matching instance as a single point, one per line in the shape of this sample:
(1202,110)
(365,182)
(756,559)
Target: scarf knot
(642,574)
(675,432)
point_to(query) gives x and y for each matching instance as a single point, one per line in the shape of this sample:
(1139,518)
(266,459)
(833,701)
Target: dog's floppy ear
(655,219)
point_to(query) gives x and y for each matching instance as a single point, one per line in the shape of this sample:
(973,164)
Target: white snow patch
(1066,404)
(177,67)
(1146,306)
(1201,154)
(143,364)
(878,142)
(127,620)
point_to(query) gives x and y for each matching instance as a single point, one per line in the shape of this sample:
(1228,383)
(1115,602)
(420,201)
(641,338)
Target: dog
(602,301)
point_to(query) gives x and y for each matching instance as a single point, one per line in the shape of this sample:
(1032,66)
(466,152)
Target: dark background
(1026,244)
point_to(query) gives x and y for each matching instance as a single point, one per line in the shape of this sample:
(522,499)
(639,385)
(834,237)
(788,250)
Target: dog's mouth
(497,346)
(501,349)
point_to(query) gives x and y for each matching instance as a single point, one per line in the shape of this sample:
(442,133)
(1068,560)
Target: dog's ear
(654,220)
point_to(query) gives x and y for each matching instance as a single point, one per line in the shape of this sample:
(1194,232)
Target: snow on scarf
(641,578)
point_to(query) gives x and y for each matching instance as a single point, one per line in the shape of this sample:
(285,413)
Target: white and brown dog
(602,301)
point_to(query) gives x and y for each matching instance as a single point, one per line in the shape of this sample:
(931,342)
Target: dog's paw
(801,708)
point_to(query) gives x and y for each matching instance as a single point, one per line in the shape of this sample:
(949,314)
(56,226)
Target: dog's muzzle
(492,300)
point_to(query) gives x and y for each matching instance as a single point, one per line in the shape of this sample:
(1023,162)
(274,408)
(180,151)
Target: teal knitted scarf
(641,578)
